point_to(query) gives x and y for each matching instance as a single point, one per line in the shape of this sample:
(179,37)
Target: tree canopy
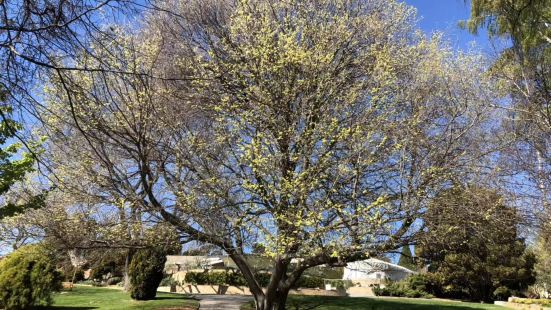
(318,128)
(472,246)
(315,132)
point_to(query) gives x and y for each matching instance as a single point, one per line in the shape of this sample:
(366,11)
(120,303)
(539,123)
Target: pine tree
(406,258)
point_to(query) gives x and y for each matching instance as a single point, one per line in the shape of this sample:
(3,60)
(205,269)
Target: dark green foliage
(168,281)
(222,278)
(263,278)
(11,209)
(423,282)
(13,170)
(99,272)
(339,284)
(146,273)
(105,265)
(217,278)
(28,277)
(473,248)
(406,258)
(114,280)
(69,273)
(79,275)
(325,272)
(309,282)
(108,267)
(502,293)
(524,21)
(196,278)
(542,250)
(236,279)
(414,286)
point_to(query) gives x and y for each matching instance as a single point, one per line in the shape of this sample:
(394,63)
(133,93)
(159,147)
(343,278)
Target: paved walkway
(222,302)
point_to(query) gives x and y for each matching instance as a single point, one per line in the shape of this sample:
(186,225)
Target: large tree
(472,246)
(320,129)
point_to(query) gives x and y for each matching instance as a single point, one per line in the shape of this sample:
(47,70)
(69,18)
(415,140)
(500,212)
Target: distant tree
(542,249)
(472,246)
(406,258)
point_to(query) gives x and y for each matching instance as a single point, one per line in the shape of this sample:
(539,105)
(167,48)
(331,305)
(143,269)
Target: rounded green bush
(28,277)
(114,280)
(146,273)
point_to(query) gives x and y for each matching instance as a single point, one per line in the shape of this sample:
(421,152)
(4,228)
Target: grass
(348,303)
(87,297)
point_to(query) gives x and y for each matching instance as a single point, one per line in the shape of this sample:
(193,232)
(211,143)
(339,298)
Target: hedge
(414,286)
(237,279)
(531,301)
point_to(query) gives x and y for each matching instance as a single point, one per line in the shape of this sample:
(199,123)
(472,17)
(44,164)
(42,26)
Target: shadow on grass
(180,297)
(65,308)
(343,303)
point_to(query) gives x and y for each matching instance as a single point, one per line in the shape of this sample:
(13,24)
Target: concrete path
(222,302)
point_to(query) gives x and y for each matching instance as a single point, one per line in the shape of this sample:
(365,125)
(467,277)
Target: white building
(375,269)
(175,263)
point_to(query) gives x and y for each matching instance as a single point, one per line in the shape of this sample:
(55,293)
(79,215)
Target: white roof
(373,264)
(184,259)
(214,261)
(193,260)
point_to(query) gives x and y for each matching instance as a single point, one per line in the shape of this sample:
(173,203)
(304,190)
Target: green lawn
(348,303)
(86,297)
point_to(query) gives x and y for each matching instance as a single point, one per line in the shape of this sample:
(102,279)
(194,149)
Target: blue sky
(444,15)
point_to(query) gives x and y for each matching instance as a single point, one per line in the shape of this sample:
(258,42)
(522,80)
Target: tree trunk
(277,303)
(282,299)
(541,183)
(127,261)
(274,296)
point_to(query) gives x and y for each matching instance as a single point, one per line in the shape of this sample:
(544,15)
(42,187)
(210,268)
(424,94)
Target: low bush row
(236,279)
(215,278)
(531,301)
(428,285)
(339,284)
(309,282)
(415,286)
